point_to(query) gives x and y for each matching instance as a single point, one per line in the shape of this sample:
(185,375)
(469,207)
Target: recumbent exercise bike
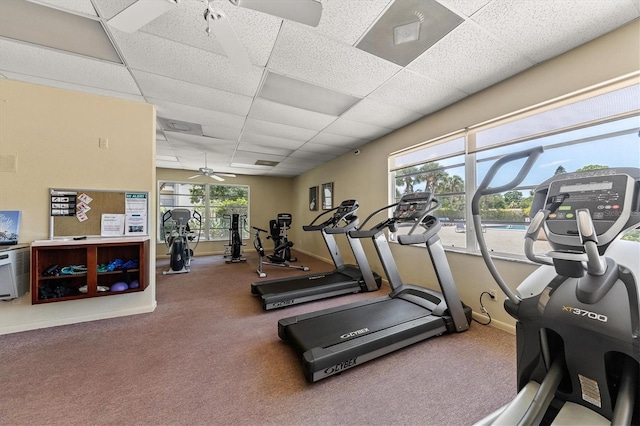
(282,246)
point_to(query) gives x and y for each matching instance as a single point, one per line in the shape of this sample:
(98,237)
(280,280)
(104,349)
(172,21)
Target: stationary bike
(577,316)
(177,235)
(233,251)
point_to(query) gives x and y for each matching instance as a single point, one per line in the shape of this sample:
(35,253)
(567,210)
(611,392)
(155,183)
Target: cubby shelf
(89,253)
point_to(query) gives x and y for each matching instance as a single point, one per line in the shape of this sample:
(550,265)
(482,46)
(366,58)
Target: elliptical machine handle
(532,155)
(484,189)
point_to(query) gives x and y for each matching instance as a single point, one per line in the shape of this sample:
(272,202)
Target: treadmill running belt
(330,277)
(328,330)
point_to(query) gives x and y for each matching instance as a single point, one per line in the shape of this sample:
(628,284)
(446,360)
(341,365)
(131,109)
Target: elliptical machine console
(578,321)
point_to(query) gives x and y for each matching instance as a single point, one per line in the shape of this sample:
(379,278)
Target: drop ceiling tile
(109,8)
(342,126)
(153,54)
(323,149)
(470,60)
(163,164)
(250,158)
(376,113)
(312,156)
(180,141)
(264,149)
(300,163)
(263,109)
(221,132)
(74,87)
(544,32)
(82,6)
(258,139)
(347,21)
(326,138)
(416,92)
(291,167)
(30,60)
(201,116)
(464,7)
(183,92)
(278,130)
(314,58)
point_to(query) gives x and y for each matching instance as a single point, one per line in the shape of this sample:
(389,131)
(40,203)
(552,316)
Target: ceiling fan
(142,12)
(206,171)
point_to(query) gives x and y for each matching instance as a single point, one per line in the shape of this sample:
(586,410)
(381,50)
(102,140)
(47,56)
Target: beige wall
(268,196)
(365,177)
(54,136)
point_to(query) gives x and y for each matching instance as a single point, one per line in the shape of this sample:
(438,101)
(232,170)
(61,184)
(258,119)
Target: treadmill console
(346,208)
(607,193)
(413,206)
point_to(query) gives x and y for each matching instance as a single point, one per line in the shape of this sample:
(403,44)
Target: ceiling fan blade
(216,177)
(140,14)
(307,12)
(226,174)
(223,31)
(194,176)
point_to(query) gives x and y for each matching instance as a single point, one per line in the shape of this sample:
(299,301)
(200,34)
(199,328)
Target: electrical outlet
(492,293)
(103,143)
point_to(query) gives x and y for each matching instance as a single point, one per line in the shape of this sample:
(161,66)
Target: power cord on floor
(483,309)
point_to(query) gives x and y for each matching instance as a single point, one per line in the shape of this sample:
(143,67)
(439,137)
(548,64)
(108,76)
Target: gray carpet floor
(209,355)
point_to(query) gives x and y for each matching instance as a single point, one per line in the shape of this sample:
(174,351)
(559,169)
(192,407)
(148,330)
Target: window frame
(206,234)
(471,150)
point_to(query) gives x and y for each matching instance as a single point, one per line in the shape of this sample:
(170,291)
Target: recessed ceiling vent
(169,125)
(266,163)
(407,29)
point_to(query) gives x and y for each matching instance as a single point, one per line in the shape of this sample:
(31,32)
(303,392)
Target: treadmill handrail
(334,220)
(312,227)
(430,230)
(351,223)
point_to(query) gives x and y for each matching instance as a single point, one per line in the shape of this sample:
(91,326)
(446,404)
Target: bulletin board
(72,216)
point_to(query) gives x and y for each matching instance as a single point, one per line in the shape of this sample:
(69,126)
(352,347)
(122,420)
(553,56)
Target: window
(443,174)
(585,132)
(214,203)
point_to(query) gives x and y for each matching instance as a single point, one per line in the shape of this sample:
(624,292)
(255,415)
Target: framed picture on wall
(313,198)
(327,196)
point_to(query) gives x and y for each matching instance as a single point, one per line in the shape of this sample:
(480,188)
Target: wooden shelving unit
(89,254)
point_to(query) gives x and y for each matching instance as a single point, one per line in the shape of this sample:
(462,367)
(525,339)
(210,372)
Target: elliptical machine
(177,235)
(577,316)
(233,250)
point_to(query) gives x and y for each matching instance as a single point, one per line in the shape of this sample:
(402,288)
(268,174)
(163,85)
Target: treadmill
(344,279)
(336,339)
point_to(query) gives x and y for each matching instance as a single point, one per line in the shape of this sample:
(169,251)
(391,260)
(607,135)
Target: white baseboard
(78,319)
(509,328)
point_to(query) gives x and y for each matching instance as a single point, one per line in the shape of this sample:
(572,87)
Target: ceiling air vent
(266,163)
(170,125)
